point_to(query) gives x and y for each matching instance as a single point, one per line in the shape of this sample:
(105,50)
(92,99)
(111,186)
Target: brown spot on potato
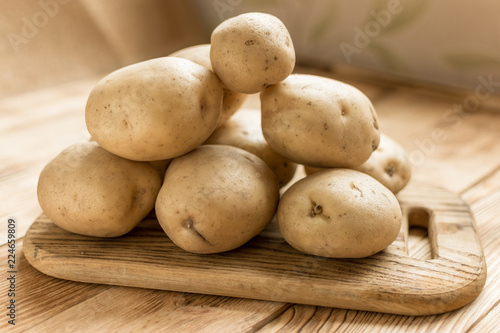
(316,209)
(390,169)
(138,196)
(188,223)
(354,187)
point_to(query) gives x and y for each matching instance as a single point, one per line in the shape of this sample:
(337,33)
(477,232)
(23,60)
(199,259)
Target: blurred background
(452,43)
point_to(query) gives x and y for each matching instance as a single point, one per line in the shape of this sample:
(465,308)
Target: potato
(389,164)
(319,122)
(251,51)
(216,198)
(154,110)
(200,54)
(244,131)
(161,166)
(339,213)
(89,191)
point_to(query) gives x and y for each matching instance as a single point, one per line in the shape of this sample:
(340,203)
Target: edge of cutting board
(267,268)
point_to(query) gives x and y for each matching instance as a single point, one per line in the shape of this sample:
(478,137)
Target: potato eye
(390,169)
(316,209)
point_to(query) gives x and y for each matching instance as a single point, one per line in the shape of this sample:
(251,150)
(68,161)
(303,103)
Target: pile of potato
(169,136)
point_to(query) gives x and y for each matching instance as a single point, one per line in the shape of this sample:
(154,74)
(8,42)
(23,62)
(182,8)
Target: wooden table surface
(452,140)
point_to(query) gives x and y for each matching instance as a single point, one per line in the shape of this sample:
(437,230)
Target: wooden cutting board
(267,268)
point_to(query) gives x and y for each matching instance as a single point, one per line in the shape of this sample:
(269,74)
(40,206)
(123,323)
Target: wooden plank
(267,268)
(404,113)
(45,303)
(322,319)
(301,317)
(464,155)
(39,296)
(489,322)
(146,310)
(483,188)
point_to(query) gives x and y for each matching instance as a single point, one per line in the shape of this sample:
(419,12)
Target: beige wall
(450,42)
(45,42)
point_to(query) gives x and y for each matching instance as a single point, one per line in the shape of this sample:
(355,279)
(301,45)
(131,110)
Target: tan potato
(251,51)
(389,164)
(154,110)
(244,131)
(309,170)
(216,198)
(161,166)
(89,191)
(319,122)
(339,213)
(200,54)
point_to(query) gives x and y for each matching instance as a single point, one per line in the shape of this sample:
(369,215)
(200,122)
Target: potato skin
(339,213)
(161,166)
(216,198)
(200,54)
(89,191)
(251,51)
(154,110)
(389,164)
(320,122)
(244,131)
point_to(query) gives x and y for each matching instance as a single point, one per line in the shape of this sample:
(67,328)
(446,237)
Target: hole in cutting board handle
(421,240)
